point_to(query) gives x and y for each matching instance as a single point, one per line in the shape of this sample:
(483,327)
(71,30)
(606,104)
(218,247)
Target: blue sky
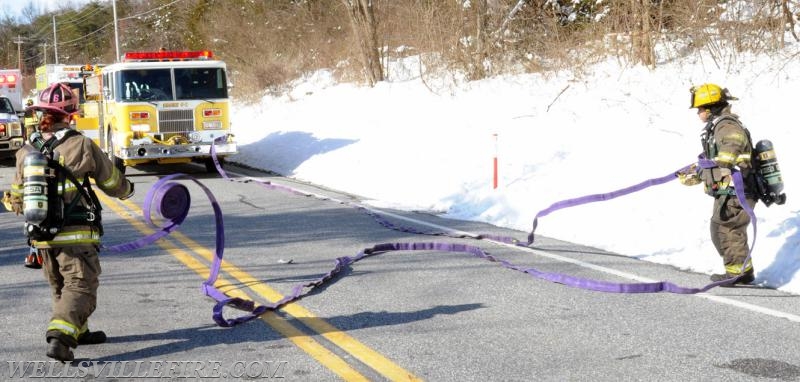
(14,7)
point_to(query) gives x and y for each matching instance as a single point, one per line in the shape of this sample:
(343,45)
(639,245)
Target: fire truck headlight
(140,128)
(212,125)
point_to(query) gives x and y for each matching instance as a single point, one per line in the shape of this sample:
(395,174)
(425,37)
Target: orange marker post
(494,164)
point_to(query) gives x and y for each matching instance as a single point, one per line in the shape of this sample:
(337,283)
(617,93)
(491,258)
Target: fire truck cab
(159,107)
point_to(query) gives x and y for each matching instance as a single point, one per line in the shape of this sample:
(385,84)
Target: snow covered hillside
(411,144)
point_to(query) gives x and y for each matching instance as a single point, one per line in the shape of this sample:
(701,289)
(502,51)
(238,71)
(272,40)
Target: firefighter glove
(12,203)
(7,201)
(690,176)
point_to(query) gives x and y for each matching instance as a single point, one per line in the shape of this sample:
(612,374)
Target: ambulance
(11,87)
(159,107)
(11,132)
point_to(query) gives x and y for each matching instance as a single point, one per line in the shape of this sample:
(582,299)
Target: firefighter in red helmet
(66,229)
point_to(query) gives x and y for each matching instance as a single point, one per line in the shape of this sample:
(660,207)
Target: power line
(37,35)
(122,19)
(125,18)
(69,24)
(86,35)
(150,11)
(78,17)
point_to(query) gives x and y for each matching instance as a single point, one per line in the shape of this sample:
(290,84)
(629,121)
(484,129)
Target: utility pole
(18,41)
(116,33)
(44,52)
(55,40)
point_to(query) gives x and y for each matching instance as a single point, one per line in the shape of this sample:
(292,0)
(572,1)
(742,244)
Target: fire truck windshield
(145,85)
(200,83)
(149,85)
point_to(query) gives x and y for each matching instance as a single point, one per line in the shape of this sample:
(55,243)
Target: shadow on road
(182,340)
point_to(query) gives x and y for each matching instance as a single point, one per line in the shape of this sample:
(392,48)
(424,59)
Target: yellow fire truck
(69,75)
(159,107)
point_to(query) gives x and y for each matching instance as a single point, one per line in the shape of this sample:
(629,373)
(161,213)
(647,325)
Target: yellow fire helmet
(709,94)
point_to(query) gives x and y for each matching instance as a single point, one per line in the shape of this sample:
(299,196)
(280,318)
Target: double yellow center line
(126,210)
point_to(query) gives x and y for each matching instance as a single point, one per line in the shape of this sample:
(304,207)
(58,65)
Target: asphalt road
(426,315)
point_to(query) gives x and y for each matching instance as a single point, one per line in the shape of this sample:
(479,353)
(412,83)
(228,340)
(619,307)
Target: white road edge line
(715,298)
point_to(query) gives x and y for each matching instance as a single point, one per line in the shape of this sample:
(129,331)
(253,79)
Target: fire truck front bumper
(158,151)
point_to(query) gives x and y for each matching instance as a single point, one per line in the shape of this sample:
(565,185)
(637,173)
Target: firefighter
(728,144)
(70,258)
(29,119)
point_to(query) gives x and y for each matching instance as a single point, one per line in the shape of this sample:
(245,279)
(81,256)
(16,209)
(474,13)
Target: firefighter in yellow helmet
(57,163)
(29,119)
(727,142)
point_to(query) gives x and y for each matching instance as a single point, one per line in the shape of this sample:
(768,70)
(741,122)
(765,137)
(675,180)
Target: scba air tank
(34,197)
(770,182)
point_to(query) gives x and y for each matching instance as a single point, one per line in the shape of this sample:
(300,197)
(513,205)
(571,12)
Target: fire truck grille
(176,121)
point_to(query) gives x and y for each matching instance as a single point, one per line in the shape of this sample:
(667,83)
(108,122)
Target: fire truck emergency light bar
(7,78)
(168,55)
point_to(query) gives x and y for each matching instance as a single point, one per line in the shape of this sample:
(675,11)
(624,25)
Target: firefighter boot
(746,278)
(58,350)
(91,338)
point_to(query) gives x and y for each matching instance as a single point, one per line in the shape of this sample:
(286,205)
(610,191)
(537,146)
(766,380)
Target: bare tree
(789,18)
(641,33)
(481,53)
(363,21)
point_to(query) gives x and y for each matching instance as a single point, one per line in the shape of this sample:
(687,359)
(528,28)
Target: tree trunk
(481,38)
(364,29)
(789,20)
(648,51)
(641,33)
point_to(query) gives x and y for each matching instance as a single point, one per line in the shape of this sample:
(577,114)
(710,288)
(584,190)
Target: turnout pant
(73,275)
(729,223)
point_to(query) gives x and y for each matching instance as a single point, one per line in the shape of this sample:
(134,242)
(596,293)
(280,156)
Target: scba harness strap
(720,187)
(763,179)
(56,176)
